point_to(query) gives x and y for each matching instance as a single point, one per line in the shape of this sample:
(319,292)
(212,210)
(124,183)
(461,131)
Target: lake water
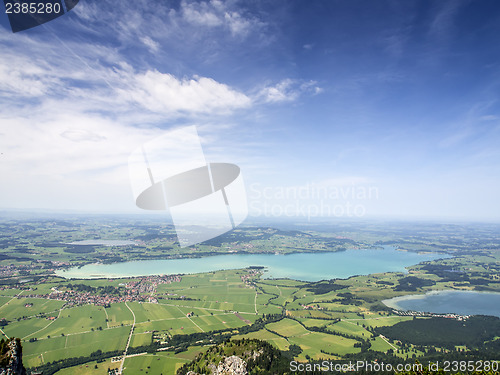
(450,301)
(103,242)
(301,266)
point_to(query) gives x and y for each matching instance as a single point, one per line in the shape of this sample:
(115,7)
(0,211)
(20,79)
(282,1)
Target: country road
(128,341)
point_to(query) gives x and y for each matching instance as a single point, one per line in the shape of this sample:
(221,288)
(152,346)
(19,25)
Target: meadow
(327,319)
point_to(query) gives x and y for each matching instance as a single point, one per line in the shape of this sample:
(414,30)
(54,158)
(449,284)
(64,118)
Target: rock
(12,358)
(233,365)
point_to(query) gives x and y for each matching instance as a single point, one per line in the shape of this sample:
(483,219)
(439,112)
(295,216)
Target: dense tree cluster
(324,287)
(443,332)
(107,289)
(412,283)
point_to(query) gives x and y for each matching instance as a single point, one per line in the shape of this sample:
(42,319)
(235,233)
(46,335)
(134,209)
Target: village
(137,290)
(422,314)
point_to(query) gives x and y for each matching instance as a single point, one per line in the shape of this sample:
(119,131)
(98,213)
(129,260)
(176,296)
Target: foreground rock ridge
(11,357)
(238,357)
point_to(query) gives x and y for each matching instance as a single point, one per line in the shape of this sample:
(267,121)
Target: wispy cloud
(395,42)
(475,123)
(216,13)
(150,43)
(151,23)
(288,90)
(443,23)
(204,14)
(117,89)
(442,31)
(72,111)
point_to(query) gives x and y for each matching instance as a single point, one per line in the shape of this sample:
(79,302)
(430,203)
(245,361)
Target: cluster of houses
(311,307)
(148,284)
(9,270)
(140,290)
(429,314)
(251,274)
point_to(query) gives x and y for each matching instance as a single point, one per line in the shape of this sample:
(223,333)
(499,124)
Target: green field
(278,341)
(15,308)
(74,345)
(90,368)
(198,304)
(324,323)
(312,343)
(118,314)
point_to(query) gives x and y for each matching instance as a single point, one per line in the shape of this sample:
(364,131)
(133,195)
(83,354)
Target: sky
(330,108)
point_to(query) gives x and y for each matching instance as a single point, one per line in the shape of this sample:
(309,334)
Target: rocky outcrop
(233,365)
(238,357)
(11,361)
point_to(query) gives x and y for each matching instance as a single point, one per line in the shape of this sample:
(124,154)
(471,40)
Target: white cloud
(288,90)
(205,28)
(18,82)
(87,11)
(131,22)
(281,92)
(73,108)
(82,135)
(239,25)
(216,13)
(201,14)
(150,43)
(116,89)
(318,90)
(68,121)
(25,78)
(161,92)
(70,159)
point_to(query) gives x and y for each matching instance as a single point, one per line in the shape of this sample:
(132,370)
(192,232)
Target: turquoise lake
(300,266)
(450,301)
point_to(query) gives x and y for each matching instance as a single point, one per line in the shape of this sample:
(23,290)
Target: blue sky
(398,97)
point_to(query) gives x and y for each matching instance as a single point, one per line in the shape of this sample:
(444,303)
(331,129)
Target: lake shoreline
(444,301)
(310,266)
(243,252)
